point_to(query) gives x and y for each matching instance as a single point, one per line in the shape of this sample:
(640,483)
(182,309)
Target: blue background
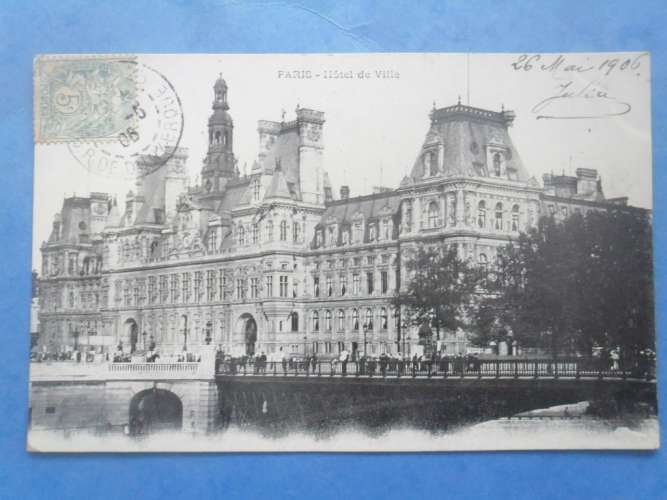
(29,28)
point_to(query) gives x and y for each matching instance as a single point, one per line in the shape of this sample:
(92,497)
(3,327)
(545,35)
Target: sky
(376,120)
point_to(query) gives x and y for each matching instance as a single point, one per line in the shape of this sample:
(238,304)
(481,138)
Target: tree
(439,290)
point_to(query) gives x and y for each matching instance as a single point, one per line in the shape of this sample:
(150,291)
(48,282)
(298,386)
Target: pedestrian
(344,356)
(383,364)
(313,361)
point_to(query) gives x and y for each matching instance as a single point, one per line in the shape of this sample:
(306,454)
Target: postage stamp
(83,97)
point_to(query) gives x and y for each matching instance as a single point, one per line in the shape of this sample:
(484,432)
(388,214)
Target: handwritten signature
(573,102)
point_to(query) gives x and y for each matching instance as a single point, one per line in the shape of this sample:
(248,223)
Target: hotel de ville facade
(276,259)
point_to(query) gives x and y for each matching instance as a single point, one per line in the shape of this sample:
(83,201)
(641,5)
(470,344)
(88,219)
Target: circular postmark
(149,137)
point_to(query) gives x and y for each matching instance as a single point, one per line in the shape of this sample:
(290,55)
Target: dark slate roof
(370,206)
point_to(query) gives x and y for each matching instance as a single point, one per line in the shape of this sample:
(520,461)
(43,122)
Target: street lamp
(364,327)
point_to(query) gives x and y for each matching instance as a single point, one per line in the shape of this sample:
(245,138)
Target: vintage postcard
(342,252)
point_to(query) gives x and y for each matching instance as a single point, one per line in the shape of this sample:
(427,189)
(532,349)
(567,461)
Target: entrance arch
(247,327)
(131,336)
(155,410)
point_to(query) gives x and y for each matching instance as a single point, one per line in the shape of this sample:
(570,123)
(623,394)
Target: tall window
(254,288)
(515,218)
(369,319)
(296,231)
(329,286)
(433,214)
(432,163)
(316,321)
(483,262)
(343,284)
(357,236)
(222,285)
(240,288)
(186,287)
(255,190)
(174,286)
(295,321)
(212,241)
(331,236)
(164,292)
(316,286)
(496,165)
(198,287)
(383,318)
(370,282)
(283,230)
(385,230)
(210,286)
(356,283)
(269,231)
(481,214)
(152,295)
(355,320)
(255,234)
(408,215)
(384,281)
(499,216)
(327,320)
(269,286)
(283,286)
(341,320)
(241,236)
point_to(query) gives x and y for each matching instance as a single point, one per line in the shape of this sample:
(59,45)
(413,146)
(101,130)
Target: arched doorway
(155,410)
(131,337)
(248,330)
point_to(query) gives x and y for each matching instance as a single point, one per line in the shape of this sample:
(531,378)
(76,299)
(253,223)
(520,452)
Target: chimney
(344,192)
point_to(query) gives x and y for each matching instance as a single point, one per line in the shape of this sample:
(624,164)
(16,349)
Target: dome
(220,117)
(220,83)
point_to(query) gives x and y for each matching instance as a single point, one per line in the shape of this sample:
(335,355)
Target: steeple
(219,161)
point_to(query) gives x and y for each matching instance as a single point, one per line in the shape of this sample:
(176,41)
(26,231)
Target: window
(552,209)
(295,288)
(499,217)
(283,230)
(296,232)
(174,286)
(496,165)
(329,286)
(357,235)
(370,282)
(255,190)
(369,319)
(355,320)
(210,286)
(164,292)
(295,321)
(127,298)
(372,232)
(331,236)
(316,321)
(241,236)
(269,286)
(316,286)
(186,286)
(255,234)
(222,285)
(481,214)
(433,165)
(563,211)
(356,283)
(515,218)
(384,320)
(343,284)
(432,215)
(327,320)
(483,262)
(408,215)
(269,231)
(254,288)
(283,286)
(384,281)
(370,260)
(212,241)
(341,320)
(386,235)
(240,288)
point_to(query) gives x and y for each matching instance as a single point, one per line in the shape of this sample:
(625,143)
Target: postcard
(342,252)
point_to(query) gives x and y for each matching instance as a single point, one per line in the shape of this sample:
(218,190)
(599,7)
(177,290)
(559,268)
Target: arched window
(515,218)
(496,165)
(296,231)
(368,323)
(433,214)
(255,233)
(218,135)
(241,235)
(481,214)
(499,216)
(383,318)
(341,320)
(327,321)
(355,320)
(283,230)
(295,321)
(316,321)
(269,231)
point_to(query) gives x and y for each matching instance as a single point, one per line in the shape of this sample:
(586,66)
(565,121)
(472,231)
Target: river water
(557,428)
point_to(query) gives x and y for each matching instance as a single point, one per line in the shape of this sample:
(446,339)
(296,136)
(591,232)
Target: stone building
(274,260)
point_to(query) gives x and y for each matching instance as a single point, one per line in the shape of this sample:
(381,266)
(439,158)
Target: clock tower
(219,164)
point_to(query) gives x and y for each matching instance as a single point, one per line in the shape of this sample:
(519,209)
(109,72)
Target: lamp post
(364,327)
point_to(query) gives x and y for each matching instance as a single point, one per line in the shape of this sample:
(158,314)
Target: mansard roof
(368,206)
(465,133)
